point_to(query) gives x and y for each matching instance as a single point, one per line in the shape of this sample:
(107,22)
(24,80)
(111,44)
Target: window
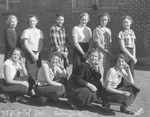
(81,5)
(9,5)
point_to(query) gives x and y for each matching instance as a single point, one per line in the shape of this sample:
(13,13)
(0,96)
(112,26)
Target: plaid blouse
(57,39)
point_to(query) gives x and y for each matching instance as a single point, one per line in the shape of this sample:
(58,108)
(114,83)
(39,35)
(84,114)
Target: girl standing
(33,43)
(82,37)
(127,42)
(102,40)
(12,39)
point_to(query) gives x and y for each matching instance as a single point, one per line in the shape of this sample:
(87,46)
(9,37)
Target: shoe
(124,110)
(42,101)
(21,99)
(106,107)
(72,106)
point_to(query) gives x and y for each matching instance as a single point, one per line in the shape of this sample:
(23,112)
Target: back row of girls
(52,75)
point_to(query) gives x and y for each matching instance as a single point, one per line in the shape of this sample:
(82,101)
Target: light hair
(10,17)
(84,14)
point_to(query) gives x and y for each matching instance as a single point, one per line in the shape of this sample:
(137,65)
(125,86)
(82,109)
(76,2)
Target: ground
(141,106)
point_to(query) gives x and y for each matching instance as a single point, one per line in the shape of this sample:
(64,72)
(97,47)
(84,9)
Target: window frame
(74,9)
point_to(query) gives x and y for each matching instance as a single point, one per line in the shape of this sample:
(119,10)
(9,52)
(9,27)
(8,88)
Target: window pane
(109,3)
(84,3)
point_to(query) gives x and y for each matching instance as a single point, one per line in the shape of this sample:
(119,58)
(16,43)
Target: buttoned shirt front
(57,39)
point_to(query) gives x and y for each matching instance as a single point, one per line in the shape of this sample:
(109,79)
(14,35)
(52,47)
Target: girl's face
(126,24)
(60,21)
(13,23)
(32,22)
(104,21)
(55,60)
(84,20)
(121,63)
(93,57)
(15,55)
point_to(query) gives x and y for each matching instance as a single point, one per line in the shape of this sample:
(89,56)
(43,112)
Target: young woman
(84,87)
(124,95)
(13,86)
(127,42)
(51,79)
(12,39)
(58,39)
(102,40)
(33,43)
(82,38)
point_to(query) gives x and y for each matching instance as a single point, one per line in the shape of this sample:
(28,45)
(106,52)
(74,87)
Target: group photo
(74,58)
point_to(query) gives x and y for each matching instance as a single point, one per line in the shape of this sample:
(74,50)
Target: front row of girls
(82,88)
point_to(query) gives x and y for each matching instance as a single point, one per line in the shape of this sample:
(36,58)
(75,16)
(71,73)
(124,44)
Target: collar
(88,63)
(56,27)
(103,29)
(11,62)
(127,31)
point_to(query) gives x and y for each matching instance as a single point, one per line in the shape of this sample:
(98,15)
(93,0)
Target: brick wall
(46,10)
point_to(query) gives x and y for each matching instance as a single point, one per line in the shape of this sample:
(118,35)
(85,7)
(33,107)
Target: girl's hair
(122,56)
(10,17)
(12,50)
(59,15)
(104,14)
(84,14)
(94,50)
(32,15)
(55,54)
(127,17)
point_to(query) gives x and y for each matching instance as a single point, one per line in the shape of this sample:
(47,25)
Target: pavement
(141,106)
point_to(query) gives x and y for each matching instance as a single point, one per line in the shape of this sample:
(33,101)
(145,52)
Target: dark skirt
(13,89)
(49,91)
(81,95)
(77,56)
(32,66)
(108,97)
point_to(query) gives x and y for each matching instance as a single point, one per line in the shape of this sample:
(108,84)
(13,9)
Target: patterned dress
(104,36)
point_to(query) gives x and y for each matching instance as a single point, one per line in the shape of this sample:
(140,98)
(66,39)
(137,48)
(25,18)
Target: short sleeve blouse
(13,68)
(33,37)
(98,34)
(128,37)
(82,34)
(113,77)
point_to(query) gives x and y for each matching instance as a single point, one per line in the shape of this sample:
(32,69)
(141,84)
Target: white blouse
(13,68)
(82,34)
(33,36)
(113,77)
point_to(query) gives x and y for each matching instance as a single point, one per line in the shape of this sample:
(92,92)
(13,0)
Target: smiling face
(121,63)
(55,60)
(126,24)
(60,21)
(84,20)
(103,21)
(32,22)
(15,55)
(93,57)
(13,23)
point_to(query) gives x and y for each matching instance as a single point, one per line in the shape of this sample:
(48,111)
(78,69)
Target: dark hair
(127,17)
(55,54)
(94,50)
(122,56)
(59,15)
(30,16)
(84,14)
(104,14)
(12,50)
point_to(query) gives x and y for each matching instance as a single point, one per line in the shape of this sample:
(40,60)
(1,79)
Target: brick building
(46,10)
